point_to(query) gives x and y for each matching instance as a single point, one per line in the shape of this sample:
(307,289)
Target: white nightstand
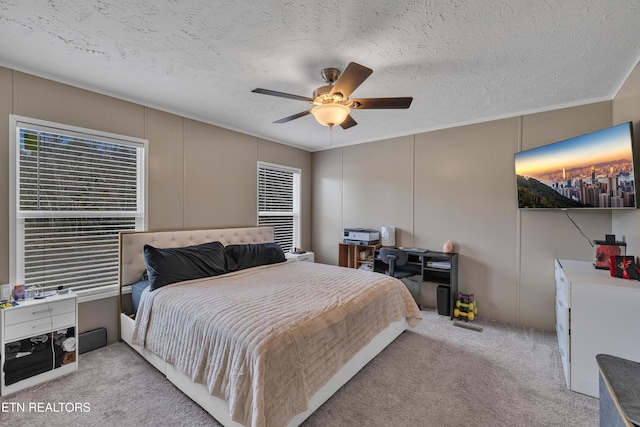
(38,341)
(307,256)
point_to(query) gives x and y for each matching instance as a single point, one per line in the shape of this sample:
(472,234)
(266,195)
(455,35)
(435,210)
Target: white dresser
(595,313)
(38,341)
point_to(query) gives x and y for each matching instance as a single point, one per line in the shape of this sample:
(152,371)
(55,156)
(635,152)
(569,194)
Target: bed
(262,345)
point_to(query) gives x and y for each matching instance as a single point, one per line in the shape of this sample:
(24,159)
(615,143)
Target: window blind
(75,193)
(279,203)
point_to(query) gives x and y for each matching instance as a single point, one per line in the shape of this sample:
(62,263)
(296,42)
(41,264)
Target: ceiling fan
(332,104)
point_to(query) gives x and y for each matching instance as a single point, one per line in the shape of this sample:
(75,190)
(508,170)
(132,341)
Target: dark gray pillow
(172,265)
(255,254)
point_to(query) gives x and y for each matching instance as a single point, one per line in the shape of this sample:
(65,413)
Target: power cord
(576,225)
(53,350)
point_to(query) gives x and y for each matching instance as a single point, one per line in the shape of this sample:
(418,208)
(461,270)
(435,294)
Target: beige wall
(199,175)
(6,105)
(626,108)
(381,173)
(459,184)
(465,192)
(327,204)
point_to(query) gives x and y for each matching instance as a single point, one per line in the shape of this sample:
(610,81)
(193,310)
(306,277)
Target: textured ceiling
(463,61)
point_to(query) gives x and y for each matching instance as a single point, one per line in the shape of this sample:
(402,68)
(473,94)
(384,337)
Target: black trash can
(444,309)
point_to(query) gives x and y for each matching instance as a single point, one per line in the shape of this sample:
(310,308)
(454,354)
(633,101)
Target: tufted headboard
(131,243)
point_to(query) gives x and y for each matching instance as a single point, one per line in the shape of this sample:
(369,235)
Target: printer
(361,236)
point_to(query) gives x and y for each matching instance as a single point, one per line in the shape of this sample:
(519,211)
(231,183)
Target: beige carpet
(434,375)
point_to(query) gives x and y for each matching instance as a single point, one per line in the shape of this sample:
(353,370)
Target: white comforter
(267,338)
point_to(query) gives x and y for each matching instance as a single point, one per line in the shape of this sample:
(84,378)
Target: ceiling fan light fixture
(330,114)
(332,103)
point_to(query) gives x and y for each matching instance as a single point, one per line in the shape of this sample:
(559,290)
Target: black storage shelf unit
(446,278)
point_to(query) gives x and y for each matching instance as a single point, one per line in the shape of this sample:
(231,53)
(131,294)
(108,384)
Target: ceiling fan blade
(293,117)
(348,122)
(381,103)
(351,78)
(282,94)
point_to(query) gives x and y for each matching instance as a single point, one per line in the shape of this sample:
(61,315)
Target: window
(73,190)
(279,202)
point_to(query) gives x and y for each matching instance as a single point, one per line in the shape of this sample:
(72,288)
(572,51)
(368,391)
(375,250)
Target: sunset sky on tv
(602,146)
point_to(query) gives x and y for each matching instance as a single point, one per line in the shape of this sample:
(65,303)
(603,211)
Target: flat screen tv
(592,171)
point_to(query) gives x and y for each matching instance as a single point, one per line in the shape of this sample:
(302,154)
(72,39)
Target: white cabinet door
(604,320)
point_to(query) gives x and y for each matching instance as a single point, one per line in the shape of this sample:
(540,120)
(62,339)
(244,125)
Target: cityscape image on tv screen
(589,171)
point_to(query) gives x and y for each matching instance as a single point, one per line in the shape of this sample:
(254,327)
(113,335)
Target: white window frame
(16,244)
(297,196)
